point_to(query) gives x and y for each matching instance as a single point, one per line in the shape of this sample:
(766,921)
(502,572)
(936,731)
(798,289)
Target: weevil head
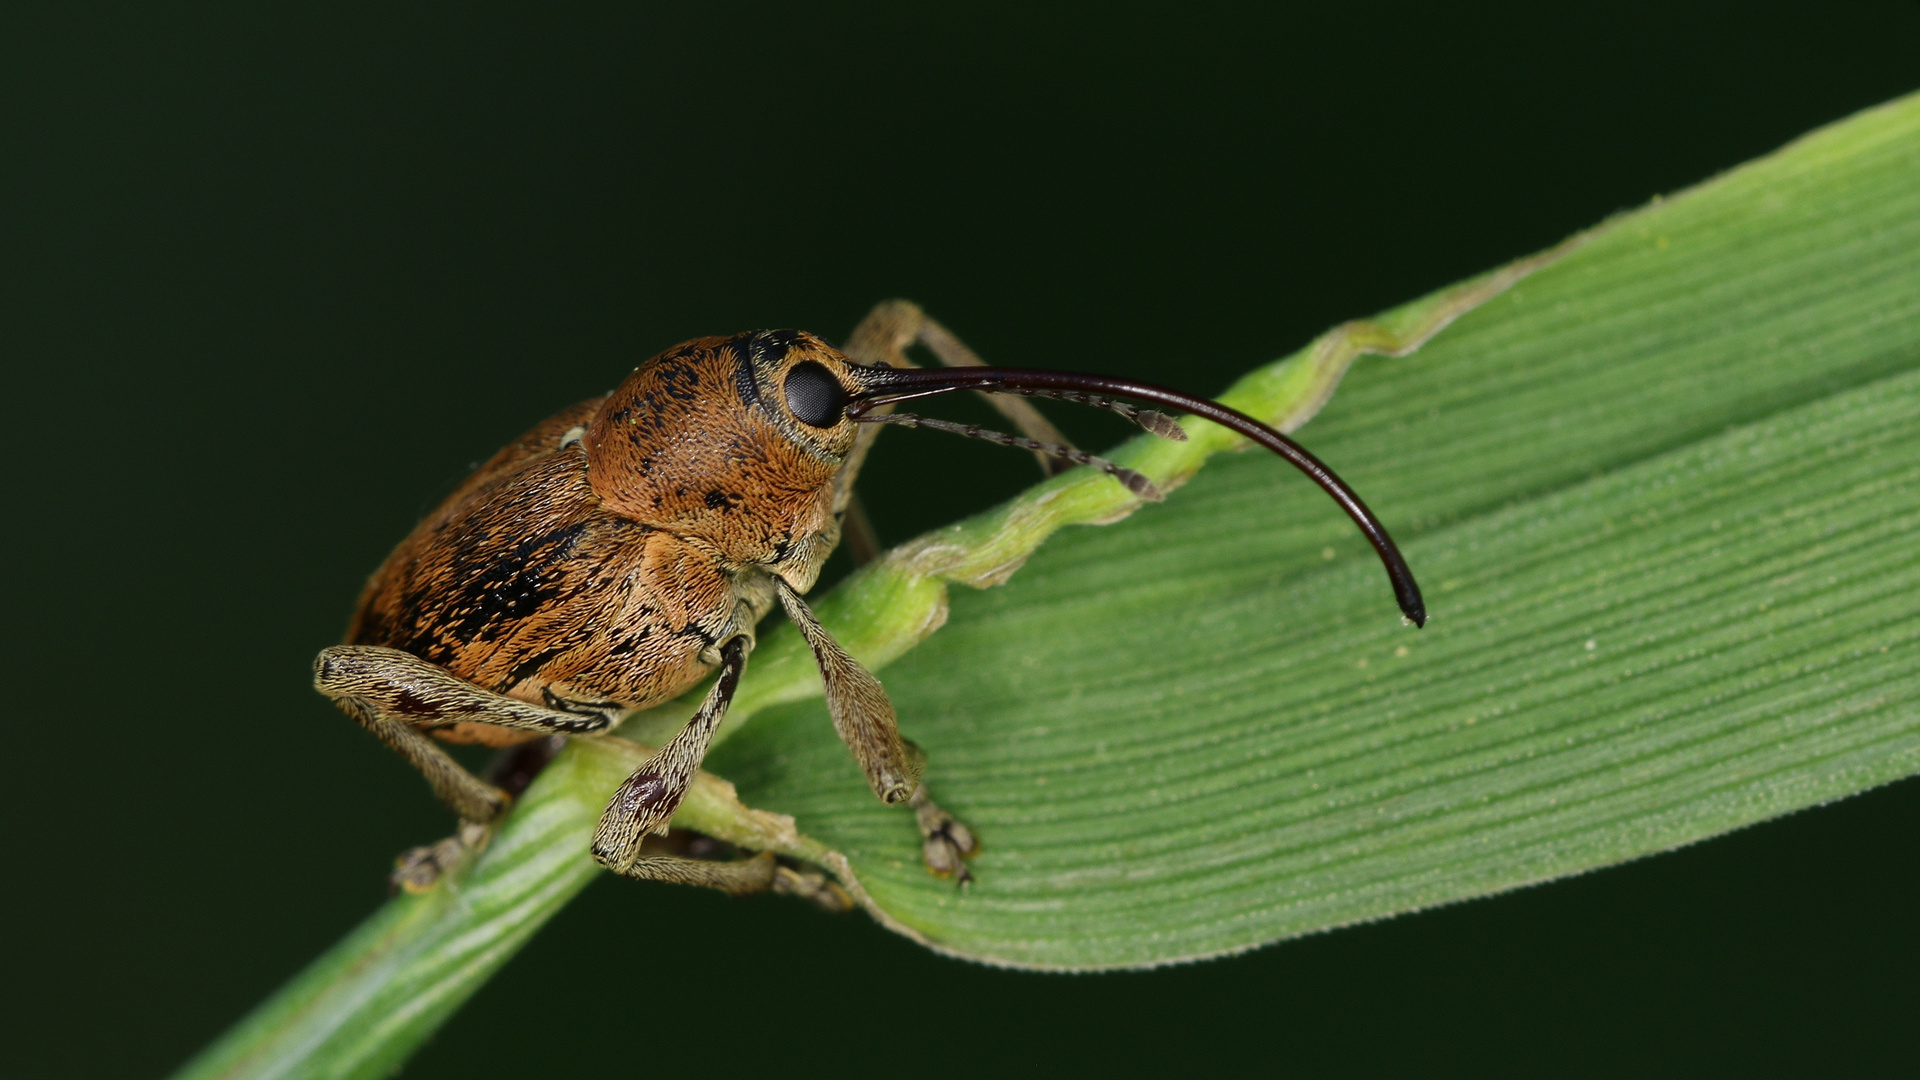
(737,441)
(734,440)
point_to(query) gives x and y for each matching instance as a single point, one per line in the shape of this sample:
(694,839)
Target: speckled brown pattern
(617,553)
(598,560)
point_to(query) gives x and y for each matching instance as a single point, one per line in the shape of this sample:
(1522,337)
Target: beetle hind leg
(512,771)
(894,325)
(419,869)
(399,698)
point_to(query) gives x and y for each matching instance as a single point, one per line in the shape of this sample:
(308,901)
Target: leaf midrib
(1650,644)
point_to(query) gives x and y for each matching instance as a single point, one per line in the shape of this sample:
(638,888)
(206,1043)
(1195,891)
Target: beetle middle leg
(883,337)
(513,771)
(645,802)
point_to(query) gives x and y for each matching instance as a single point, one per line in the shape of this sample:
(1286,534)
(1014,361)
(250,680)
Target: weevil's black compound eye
(814,396)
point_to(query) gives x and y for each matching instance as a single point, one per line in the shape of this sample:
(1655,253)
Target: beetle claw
(946,843)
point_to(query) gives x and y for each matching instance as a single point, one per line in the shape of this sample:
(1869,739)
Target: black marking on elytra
(724,501)
(696,632)
(493,589)
(530,666)
(631,642)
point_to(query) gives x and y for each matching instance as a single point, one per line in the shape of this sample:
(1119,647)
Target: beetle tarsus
(812,886)
(945,843)
(419,869)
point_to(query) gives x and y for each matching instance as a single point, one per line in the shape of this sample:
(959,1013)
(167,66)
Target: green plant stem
(364,1006)
(1388,802)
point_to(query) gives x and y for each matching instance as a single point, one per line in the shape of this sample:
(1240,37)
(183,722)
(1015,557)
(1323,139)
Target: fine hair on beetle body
(624,550)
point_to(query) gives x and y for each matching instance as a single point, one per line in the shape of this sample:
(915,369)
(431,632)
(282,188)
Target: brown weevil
(623,550)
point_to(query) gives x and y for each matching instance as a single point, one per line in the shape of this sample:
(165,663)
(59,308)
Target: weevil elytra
(624,549)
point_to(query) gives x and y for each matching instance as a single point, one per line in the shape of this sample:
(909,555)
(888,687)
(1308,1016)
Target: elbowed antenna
(883,386)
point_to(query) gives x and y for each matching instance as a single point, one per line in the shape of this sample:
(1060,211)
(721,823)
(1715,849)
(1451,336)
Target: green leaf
(1661,495)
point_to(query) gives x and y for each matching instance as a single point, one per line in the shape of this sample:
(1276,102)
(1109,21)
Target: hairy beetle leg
(894,325)
(813,886)
(419,869)
(790,877)
(945,841)
(883,337)
(399,697)
(862,715)
(645,802)
(513,770)
(739,877)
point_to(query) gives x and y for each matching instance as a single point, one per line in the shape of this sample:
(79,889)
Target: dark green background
(273,280)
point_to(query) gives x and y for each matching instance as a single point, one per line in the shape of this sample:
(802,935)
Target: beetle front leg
(883,337)
(864,719)
(885,334)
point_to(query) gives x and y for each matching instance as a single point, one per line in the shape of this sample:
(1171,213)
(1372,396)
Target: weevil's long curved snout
(883,386)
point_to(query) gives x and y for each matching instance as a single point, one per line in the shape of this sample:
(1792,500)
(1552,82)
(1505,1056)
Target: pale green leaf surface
(1663,497)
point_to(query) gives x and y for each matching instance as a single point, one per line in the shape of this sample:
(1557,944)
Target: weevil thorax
(710,440)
